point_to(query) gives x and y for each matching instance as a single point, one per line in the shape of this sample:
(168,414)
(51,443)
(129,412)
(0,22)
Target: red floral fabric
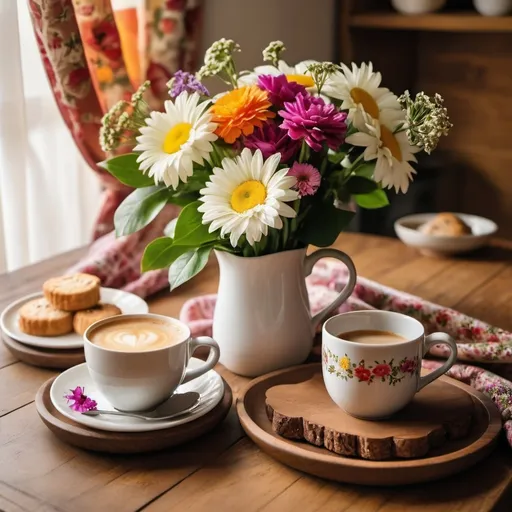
(93,58)
(477,342)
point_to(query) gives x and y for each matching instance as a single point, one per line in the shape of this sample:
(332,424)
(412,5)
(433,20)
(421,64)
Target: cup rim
(168,319)
(375,313)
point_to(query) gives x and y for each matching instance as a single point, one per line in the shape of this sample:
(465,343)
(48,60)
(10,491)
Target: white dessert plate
(209,386)
(127,302)
(407,229)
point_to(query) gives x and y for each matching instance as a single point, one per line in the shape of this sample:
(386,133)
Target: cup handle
(436,339)
(213,357)
(348,288)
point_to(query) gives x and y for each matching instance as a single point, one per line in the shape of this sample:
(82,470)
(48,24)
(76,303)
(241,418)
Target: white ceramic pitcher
(262,320)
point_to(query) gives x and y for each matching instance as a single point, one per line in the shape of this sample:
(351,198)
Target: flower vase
(262,321)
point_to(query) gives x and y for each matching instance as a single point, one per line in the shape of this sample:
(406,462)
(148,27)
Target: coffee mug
(138,380)
(374,381)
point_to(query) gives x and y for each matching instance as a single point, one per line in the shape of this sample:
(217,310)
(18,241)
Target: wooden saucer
(126,442)
(453,456)
(44,357)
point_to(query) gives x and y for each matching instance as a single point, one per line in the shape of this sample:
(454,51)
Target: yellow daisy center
(366,100)
(304,80)
(248,195)
(389,141)
(176,137)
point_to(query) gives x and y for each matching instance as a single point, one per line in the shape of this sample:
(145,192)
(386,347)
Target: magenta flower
(270,139)
(81,402)
(308,178)
(311,119)
(279,89)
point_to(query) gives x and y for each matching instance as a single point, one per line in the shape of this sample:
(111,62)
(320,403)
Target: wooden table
(225,471)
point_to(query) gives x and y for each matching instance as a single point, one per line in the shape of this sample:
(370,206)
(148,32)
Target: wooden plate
(126,442)
(452,457)
(44,357)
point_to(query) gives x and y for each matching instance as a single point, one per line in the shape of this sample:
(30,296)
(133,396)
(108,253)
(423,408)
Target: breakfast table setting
(230,346)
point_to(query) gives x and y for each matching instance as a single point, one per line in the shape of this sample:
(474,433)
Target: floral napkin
(477,341)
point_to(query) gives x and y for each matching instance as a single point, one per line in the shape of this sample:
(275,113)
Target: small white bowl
(407,229)
(412,7)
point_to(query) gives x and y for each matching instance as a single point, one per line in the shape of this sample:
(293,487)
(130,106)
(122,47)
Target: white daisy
(247,196)
(360,92)
(298,73)
(174,139)
(391,150)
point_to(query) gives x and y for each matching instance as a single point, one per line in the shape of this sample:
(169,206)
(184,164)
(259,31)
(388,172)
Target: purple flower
(311,119)
(270,139)
(81,402)
(184,81)
(279,89)
(308,178)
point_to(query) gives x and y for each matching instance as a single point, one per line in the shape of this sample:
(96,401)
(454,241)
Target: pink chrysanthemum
(279,89)
(270,139)
(311,119)
(81,402)
(308,178)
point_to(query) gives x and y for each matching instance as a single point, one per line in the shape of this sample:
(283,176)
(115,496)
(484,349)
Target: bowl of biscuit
(444,234)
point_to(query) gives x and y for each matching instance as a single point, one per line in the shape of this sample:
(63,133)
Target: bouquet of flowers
(275,163)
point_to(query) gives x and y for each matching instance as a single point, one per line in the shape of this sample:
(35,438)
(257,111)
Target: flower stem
(303,152)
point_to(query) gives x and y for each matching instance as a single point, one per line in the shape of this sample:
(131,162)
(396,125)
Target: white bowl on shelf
(417,6)
(493,7)
(407,230)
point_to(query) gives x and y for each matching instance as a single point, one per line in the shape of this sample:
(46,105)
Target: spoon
(174,406)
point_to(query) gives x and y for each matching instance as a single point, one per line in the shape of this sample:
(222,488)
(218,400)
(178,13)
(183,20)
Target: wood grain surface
(224,470)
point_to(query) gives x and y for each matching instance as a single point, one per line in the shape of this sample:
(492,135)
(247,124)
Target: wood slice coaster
(44,357)
(305,411)
(446,451)
(126,442)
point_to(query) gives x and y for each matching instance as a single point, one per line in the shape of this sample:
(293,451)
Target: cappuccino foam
(137,335)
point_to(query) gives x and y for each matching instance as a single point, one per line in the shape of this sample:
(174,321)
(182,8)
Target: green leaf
(365,170)
(372,201)
(181,199)
(360,185)
(139,209)
(161,253)
(126,169)
(170,228)
(336,158)
(188,265)
(190,229)
(323,224)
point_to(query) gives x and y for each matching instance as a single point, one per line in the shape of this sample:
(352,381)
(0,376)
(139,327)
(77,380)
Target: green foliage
(126,169)
(359,185)
(161,253)
(139,209)
(373,200)
(188,265)
(190,229)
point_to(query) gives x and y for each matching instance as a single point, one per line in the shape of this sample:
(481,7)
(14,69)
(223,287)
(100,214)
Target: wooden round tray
(44,358)
(452,457)
(126,442)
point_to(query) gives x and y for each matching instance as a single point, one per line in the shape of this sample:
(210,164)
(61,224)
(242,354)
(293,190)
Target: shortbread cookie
(87,317)
(73,292)
(38,318)
(446,224)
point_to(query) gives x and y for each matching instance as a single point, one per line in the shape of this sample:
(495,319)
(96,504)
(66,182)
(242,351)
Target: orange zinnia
(239,111)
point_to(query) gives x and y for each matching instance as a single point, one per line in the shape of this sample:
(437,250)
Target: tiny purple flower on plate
(81,402)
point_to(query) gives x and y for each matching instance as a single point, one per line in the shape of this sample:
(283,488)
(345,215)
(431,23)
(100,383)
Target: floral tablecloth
(478,343)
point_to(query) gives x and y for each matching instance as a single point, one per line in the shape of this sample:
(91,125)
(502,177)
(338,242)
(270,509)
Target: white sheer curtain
(48,196)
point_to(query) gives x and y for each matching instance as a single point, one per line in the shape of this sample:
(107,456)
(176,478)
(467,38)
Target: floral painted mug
(371,361)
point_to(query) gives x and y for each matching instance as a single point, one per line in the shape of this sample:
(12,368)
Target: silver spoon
(174,406)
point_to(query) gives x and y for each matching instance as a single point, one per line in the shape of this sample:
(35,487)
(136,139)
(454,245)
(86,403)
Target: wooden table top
(224,470)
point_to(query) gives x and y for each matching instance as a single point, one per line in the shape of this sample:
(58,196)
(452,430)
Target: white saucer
(127,302)
(209,386)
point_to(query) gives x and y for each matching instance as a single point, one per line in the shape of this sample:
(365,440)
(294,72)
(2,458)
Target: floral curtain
(97,52)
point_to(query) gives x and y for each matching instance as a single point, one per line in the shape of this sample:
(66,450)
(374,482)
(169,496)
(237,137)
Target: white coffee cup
(138,381)
(375,381)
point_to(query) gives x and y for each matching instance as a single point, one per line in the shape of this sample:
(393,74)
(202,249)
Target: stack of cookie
(70,303)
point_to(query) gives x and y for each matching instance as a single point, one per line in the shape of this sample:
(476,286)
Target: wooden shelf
(441,22)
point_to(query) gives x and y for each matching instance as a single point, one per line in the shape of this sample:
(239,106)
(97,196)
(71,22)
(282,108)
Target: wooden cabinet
(465,57)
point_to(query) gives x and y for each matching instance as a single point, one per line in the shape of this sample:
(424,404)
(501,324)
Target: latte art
(137,335)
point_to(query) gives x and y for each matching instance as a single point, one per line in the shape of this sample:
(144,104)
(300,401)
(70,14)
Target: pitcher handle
(348,288)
